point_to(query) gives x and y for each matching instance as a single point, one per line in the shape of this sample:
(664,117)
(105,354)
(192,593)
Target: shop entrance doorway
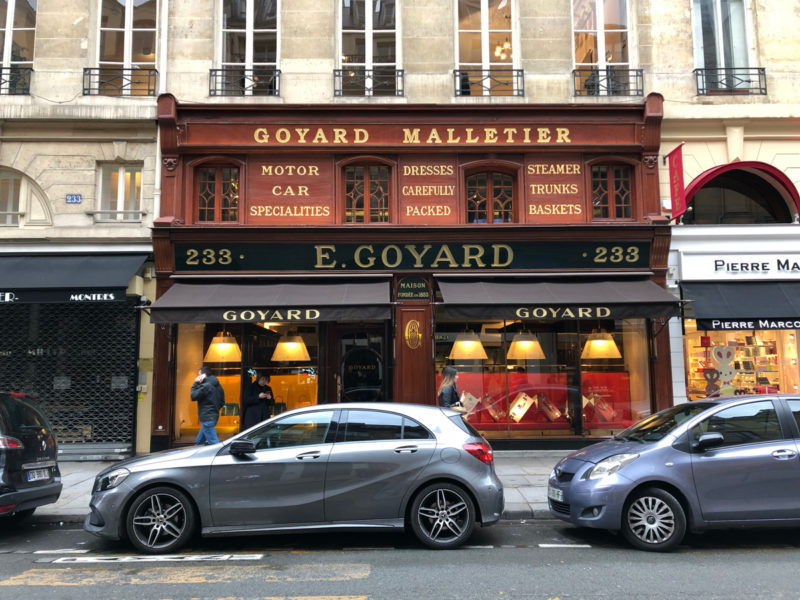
(357,362)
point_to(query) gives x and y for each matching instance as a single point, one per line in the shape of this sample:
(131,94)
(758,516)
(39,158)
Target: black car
(29,475)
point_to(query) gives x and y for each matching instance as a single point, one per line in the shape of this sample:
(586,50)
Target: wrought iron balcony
(731,81)
(489,82)
(613,81)
(360,81)
(236,81)
(114,81)
(15,80)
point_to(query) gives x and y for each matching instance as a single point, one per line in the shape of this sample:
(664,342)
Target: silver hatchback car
(326,467)
(729,462)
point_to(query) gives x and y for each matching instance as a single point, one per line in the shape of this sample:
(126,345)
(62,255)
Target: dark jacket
(210,398)
(257,409)
(448,396)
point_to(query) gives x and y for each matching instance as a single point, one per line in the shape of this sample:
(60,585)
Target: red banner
(676,191)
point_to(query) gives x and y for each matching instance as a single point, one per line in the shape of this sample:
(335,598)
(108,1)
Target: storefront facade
(350,253)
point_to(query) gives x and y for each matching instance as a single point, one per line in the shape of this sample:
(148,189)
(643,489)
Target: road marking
(564,546)
(62,551)
(164,558)
(490,547)
(189,575)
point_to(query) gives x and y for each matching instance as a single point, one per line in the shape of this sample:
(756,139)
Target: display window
(537,378)
(238,355)
(739,362)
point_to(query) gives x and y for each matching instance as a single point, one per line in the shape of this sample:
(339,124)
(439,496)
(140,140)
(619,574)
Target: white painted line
(564,546)
(62,551)
(166,558)
(478,547)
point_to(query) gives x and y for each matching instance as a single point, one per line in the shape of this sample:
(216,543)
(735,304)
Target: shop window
(21,202)
(218,194)
(612,196)
(366,193)
(737,197)
(120,193)
(18,26)
(490,197)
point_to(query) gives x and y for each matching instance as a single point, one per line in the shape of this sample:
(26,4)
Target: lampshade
(223,349)
(290,348)
(525,346)
(468,347)
(600,345)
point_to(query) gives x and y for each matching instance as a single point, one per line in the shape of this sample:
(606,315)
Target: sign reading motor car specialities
(332,257)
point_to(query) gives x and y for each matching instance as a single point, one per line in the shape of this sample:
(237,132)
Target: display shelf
(756,368)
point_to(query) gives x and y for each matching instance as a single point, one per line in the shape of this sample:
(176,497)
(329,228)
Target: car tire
(442,516)
(653,520)
(160,519)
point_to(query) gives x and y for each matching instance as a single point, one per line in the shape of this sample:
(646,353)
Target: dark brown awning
(277,302)
(640,298)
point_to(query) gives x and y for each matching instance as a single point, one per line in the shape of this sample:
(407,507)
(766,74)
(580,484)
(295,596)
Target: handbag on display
(604,410)
(520,406)
(495,409)
(548,408)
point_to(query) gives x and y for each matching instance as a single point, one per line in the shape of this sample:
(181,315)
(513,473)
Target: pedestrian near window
(448,391)
(259,403)
(210,397)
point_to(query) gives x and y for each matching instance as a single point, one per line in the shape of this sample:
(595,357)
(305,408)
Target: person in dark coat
(210,397)
(259,403)
(448,391)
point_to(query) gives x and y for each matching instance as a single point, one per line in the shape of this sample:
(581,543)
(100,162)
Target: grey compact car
(728,462)
(329,467)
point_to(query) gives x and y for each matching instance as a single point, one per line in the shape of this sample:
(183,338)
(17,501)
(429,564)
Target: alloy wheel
(160,520)
(443,516)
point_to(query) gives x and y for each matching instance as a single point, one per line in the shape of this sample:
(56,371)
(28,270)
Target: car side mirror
(710,440)
(241,447)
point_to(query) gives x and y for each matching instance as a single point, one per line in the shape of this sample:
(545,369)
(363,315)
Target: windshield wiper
(628,438)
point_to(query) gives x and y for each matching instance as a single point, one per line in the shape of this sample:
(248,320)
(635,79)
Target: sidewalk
(524,475)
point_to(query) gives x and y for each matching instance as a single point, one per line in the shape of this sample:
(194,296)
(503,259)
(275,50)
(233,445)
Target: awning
(640,298)
(276,302)
(744,305)
(67,278)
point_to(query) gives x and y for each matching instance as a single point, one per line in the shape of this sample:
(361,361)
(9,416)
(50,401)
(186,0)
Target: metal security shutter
(79,360)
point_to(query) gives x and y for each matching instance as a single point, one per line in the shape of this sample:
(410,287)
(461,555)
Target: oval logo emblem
(413,335)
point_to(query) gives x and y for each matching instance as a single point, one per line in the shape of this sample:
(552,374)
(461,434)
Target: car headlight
(111,480)
(610,465)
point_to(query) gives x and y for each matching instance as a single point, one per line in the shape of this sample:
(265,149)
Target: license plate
(38,474)
(555,494)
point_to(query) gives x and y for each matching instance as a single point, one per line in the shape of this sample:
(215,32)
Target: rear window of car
(18,414)
(461,421)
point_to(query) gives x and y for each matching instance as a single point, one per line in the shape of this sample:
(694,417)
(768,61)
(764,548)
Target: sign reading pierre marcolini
(332,257)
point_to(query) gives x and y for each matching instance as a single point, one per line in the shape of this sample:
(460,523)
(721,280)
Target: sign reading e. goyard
(333,257)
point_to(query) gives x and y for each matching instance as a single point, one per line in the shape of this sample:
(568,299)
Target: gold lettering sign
(563,312)
(413,334)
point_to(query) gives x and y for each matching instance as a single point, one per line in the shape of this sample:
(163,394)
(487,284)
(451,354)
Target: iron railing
(15,80)
(489,82)
(236,81)
(112,81)
(612,81)
(360,81)
(731,81)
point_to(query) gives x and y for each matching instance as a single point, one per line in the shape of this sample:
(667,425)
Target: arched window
(490,197)
(366,193)
(21,202)
(612,192)
(217,195)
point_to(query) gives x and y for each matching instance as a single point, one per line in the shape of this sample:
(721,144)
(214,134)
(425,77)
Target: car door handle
(314,454)
(784,454)
(406,449)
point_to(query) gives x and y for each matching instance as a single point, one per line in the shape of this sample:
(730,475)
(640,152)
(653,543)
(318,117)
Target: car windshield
(656,426)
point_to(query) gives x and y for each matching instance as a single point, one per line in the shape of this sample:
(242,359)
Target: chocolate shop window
(217,194)
(490,197)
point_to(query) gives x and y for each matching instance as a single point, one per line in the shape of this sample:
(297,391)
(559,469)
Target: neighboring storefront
(350,253)
(71,339)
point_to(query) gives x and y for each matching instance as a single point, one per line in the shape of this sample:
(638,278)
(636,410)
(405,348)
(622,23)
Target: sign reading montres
(453,257)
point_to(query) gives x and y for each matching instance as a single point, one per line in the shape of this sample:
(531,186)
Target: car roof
(732,398)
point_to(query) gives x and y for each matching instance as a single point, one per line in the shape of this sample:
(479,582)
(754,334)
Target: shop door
(357,363)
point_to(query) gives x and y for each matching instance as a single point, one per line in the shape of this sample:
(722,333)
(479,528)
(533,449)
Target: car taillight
(482,451)
(10,442)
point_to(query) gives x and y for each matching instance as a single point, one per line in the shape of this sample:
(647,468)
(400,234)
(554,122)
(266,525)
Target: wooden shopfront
(381,239)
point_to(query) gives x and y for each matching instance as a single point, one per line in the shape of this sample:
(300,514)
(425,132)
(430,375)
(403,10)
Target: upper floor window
(369,53)
(10,185)
(612,195)
(127,46)
(490,197)
(720,39)
(21,201)
(120,193)
(366,193)
(600,34)
(484,48)
(250,44)
(218,194)
(17,32)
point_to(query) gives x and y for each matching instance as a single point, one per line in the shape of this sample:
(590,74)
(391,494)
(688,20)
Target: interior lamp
(290,348)
(525,346)
(468,346)
(600,344)
(223,349)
